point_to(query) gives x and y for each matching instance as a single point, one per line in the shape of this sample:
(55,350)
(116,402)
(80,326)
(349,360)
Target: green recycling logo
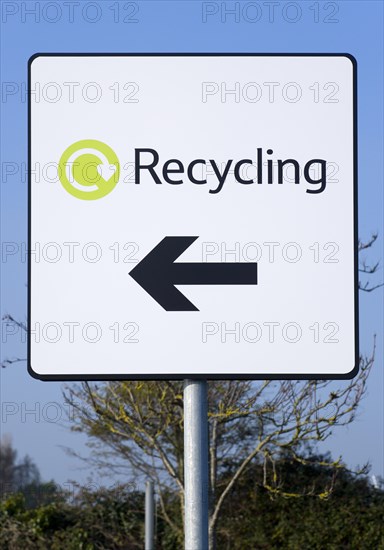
(89,169)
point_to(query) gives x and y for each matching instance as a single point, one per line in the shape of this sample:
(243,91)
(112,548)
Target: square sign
(192,215)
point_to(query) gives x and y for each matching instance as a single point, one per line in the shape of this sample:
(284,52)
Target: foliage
(103,519)
(351,517)
(253,518)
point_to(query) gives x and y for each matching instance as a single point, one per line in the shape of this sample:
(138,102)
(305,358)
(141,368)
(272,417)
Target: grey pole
(196,464)
(149,516)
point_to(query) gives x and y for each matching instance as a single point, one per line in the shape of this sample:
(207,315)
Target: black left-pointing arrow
(158,274)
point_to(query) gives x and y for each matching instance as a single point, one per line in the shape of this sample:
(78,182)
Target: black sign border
(202,376)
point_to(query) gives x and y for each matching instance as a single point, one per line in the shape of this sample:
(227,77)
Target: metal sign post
(149,516)
(196,464)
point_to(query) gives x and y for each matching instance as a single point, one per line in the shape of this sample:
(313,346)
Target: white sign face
(192,216)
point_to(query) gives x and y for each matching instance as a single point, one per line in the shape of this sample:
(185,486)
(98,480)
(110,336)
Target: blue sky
(179,26)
